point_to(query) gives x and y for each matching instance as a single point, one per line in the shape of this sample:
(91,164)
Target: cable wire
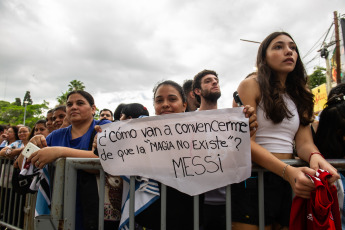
(314,46)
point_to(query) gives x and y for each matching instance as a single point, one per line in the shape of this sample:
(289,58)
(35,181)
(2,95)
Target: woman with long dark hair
(284,108)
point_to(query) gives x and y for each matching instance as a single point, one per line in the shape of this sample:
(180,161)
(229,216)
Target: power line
(327,34)
(316,56)
(249,41)
(314,46)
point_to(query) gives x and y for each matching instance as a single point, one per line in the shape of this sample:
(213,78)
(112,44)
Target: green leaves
(318,77)
(11,113)
(73,85)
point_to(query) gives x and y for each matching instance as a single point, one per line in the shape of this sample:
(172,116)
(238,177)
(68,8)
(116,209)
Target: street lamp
(25,103)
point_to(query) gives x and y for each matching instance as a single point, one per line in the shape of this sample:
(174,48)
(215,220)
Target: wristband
(315,153)
(283,174)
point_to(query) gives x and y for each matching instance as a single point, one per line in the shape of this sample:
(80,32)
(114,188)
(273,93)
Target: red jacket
(321,211)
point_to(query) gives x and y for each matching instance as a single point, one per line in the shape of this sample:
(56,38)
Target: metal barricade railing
(16,210)
(64,194)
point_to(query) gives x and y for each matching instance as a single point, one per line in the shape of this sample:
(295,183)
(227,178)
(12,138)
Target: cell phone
(29,149)
(237,99)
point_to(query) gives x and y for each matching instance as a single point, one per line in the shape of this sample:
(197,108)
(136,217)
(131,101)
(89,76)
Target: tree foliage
(63,98)
(73,85)
(27,98)
(13,114)
(318,77)
(17,102)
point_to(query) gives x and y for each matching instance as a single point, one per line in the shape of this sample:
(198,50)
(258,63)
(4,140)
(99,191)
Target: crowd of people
(280,111)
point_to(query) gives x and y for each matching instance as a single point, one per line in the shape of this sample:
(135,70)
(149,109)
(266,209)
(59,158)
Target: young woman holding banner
(168,97)
(284,108)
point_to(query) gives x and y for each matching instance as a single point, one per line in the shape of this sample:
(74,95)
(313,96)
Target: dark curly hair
(197,80)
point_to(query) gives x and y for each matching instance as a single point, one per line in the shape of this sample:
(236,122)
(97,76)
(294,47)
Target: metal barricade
(64,194)
(16,210)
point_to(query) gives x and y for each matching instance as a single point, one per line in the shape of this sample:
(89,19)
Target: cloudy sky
(120,49)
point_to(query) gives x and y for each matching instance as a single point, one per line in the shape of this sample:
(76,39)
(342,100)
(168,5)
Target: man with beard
(207,91)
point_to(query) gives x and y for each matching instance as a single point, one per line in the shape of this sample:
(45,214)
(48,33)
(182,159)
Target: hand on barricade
(44,156)
(300,183)
(318,162)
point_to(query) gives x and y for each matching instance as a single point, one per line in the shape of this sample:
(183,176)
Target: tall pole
(25,103)
(324,54)
(328,76)
(337,46)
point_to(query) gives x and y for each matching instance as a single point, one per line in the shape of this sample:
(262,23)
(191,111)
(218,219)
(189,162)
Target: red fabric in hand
(321,211)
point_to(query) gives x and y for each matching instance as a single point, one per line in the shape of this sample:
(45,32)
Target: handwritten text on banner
(192,152)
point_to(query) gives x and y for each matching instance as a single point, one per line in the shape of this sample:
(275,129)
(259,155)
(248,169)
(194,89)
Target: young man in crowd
(207,91)
(192,103)
(106,114)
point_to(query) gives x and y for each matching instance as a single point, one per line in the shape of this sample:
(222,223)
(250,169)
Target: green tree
(10,113)
(27,98)
(318,77)
(96,117)
(63,98)
(75,85)
(17,102)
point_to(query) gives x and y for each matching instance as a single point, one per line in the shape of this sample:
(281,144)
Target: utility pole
(324,54)
(328,76)
(25,103)
(337,46)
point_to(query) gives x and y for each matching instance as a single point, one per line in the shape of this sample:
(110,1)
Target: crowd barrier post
(63,201)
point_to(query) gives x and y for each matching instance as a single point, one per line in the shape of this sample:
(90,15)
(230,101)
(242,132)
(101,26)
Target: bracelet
(283,174)
(315,153)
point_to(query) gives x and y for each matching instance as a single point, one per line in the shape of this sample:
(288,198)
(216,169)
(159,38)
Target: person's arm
(305,146)
(249,92)
(10,152)
(3,151)
(14,153)
(49,154)
(301,185)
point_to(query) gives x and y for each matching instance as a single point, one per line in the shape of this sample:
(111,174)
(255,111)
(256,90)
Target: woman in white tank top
(284,108)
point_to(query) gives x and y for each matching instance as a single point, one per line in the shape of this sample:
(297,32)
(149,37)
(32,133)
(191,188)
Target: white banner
(192,152)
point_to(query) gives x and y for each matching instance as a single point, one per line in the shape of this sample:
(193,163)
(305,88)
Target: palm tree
(75,85)
(63,98)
